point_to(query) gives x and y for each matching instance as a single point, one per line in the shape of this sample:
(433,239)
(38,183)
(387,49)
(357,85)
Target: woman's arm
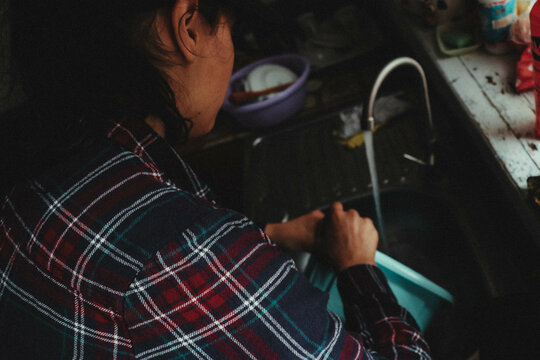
(298,234)
(224,291)
(349,243)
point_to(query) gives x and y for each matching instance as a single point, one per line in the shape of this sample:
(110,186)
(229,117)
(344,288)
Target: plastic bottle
(496,18)
(534,16)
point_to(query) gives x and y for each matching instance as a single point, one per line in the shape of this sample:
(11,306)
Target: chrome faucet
(368,121)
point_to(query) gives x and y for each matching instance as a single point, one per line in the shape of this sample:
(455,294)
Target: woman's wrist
(269,229)
(277,232)
(287,236)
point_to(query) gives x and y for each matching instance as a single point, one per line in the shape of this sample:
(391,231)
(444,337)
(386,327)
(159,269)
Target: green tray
(460,31)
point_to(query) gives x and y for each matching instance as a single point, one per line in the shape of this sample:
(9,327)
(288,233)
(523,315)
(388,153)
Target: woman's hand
(348,239)
(297,234)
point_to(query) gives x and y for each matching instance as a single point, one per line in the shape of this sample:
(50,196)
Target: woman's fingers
(337,207)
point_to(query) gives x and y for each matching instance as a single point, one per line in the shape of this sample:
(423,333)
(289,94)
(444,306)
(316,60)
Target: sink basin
(424,234)
(423,229)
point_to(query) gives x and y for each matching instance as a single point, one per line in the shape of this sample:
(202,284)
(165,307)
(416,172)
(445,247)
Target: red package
(524,71)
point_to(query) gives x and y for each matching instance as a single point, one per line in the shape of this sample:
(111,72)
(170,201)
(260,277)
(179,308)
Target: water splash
(370,153)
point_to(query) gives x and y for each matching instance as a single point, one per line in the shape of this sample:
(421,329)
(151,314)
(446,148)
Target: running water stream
(370,153)
(368,134)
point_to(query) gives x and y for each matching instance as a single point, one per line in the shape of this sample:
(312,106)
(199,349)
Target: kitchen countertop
(484,84)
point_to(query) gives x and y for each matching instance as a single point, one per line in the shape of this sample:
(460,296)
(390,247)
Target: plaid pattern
(119,253)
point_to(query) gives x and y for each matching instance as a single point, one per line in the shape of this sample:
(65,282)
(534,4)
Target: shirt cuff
(363,280)
(261,224)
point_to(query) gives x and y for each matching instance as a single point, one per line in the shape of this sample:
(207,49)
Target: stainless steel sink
(291,172)
(443,222)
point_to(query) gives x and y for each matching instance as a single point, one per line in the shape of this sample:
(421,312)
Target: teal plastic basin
(426,258)
(416,293)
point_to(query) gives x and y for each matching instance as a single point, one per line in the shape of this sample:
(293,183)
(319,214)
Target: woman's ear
(189,28)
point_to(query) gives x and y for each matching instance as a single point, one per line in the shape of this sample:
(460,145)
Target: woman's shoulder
(110,208)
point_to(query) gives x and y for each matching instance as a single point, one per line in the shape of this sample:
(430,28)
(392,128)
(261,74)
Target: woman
(109,245)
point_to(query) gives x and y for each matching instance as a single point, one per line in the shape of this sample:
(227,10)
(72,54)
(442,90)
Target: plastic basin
(275,110)
(420,296)
(416,293)
(428,265)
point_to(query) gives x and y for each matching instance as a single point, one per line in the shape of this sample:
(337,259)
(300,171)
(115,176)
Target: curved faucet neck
(391,66)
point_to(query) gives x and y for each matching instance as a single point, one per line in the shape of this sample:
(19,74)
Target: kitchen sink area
(452,222)
(441,221)
(291,172)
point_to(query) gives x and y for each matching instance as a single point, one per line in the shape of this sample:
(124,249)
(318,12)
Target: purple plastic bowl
(278,108)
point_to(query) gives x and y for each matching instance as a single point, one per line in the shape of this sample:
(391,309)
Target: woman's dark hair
(80,64)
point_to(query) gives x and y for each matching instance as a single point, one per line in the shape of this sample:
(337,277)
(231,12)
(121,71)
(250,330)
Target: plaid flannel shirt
(117,253)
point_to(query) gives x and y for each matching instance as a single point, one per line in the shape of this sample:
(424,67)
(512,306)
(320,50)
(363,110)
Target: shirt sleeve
(224,291)
(371,310)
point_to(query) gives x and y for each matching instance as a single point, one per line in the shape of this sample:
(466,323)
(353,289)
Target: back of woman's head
(83,58)
(81,63)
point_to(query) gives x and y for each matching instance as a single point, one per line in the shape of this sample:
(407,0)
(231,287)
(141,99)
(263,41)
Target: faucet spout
(369,120)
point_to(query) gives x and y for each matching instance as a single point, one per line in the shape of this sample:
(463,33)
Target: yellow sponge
(355,140)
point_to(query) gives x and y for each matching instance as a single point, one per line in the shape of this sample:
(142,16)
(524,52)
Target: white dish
(267,76)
